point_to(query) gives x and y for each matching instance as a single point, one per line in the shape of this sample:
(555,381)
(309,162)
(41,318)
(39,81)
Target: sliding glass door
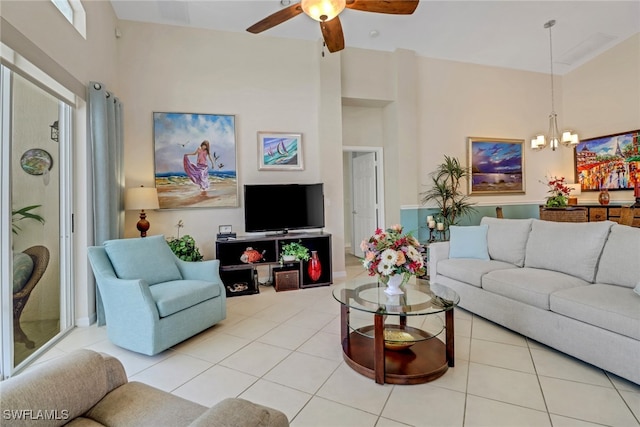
(36,226)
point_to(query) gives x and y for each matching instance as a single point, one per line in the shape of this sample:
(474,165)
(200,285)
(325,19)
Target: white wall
(267,86)
(602,97)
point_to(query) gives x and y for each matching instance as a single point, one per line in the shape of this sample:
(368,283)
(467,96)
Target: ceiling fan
(327,11)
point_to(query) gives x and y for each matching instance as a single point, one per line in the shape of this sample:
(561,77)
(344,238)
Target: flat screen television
(283,207)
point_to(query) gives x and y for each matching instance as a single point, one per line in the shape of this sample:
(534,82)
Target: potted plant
(446,192)
(559,192)
(185,248)
(293,251)
(22,214)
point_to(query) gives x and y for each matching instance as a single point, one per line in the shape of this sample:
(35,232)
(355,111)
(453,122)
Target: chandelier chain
(551,24)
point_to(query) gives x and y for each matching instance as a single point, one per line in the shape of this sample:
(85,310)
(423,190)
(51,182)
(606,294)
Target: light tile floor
(283,350)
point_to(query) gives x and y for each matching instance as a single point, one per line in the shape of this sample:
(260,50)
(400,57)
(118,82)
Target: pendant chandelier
(553,138)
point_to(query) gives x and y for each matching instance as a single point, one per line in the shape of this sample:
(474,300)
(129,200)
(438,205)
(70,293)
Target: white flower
(413,254)
(385,268)
(389,256)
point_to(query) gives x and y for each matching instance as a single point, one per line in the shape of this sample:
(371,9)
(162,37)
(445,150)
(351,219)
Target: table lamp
(141,198)
(576,190)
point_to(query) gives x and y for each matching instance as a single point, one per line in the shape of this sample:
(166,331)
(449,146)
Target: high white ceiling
(498,33)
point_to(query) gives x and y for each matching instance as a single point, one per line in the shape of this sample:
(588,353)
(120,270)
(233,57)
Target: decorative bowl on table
(397,340)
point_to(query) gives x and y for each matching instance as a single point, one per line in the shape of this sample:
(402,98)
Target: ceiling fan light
(323,10)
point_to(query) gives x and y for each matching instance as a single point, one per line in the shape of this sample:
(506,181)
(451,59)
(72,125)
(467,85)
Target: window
(75,14)
(65,8)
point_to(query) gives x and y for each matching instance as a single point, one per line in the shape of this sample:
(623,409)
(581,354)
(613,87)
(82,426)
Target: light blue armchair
(152,299)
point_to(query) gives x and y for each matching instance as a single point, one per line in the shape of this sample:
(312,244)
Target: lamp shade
(140,198)
(576,189)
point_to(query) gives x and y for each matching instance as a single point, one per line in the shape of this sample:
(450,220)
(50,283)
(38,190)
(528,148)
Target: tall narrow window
(75,14)
(65,8)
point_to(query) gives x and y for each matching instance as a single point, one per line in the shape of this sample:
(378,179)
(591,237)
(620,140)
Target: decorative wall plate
(36,161)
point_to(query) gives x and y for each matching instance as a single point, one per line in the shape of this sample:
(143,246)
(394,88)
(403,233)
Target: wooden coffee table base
(422,362)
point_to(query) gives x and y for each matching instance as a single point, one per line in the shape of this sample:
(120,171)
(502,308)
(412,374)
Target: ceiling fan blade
(395,7)
(277,18)
(333,35)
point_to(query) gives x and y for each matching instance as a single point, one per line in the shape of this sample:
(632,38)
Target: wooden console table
(609,212)
(587,213)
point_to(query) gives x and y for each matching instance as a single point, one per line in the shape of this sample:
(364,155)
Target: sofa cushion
(171,297)
(138,404)
(572,248)
(606,306)
(529,285)
(22,269)
(507,239)
(147,258)
(83,422)
(468,242)
(620,260)
(469,270)
(233,412)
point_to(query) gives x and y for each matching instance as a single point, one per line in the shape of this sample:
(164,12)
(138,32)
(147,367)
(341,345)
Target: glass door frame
(65,203)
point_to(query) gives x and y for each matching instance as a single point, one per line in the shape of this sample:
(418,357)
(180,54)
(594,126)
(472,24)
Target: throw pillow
(572,248)
(507,239)
(147,258)
(620,260)
(22,269)
(468,242)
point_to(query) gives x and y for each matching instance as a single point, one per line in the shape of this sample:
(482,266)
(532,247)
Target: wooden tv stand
(233,271)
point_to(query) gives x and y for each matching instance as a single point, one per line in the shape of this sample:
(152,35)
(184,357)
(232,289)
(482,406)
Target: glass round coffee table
(402,345)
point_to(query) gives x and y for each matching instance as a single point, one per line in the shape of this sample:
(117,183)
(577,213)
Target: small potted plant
(22,214)
(184,247)
(293,251)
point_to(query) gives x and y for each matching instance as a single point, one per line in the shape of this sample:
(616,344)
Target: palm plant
(22,214)
(446,191)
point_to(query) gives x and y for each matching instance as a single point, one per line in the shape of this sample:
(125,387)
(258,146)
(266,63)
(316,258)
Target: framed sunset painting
(195,160)
(611,162)
(496,166)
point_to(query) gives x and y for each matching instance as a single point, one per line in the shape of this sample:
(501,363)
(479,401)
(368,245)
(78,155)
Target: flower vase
(394,284)
(315,268)
(603,197)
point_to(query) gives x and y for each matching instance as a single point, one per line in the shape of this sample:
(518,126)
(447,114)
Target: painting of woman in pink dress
(199,172)
(200,149)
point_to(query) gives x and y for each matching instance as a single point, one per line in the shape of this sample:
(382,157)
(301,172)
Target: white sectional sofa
(567,285)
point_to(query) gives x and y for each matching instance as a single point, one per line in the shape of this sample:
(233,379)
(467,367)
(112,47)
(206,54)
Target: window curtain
(106,133)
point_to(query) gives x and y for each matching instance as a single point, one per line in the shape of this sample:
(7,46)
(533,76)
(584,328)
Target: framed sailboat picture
(280,151)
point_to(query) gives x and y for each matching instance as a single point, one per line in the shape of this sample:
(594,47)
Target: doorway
(36,232)
(364,194)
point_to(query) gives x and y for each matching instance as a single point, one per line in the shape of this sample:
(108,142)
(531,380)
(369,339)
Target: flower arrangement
(389,252)
(559,192)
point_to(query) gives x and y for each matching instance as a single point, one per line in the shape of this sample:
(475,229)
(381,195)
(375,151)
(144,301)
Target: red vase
(603,197)
(315,268)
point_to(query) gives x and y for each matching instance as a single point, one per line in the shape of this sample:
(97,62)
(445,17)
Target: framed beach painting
(280,151)
(496,166)
(195,160)
(611,162)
